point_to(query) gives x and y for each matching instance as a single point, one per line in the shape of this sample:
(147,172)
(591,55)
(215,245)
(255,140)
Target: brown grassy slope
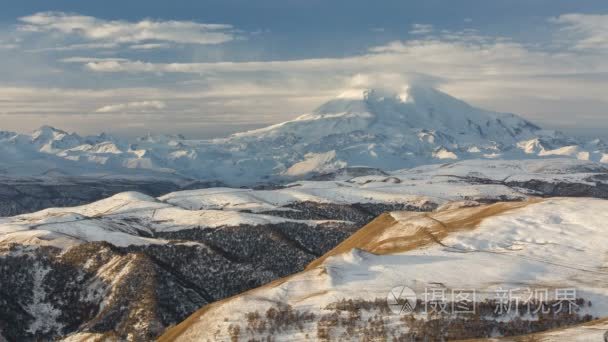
(384,235)
(172,333)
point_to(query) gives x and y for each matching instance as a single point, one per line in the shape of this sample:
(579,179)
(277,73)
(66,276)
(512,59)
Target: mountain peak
(382,127)
(44,129)
(401,113)
(381,94)
(358,99)
(45,133)
(420,95)
(402,93)
(50,139)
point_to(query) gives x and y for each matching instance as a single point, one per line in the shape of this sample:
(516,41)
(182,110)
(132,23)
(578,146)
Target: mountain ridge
(190,248)
(373,128)
(347,294)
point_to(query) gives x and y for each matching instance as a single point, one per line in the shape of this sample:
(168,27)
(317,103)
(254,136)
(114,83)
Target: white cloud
(8,46)
(449,58)
(226,108)
(74,47)
(494,72)
(91,59)
(590,30)
(421,29)
(120,32)
(149,46)
(132,106)
(547,85)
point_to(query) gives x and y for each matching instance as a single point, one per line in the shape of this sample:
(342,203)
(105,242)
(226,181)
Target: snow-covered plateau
(507,258)
(131,265)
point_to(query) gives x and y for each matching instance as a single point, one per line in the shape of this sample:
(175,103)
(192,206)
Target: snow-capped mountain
(370,128)
(420,108)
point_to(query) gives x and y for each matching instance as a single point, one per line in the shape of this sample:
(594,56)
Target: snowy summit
(374,128)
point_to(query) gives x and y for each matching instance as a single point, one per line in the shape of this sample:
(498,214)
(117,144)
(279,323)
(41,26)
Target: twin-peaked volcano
(419,109)
(365,128)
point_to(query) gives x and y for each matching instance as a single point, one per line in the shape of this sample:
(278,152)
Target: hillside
(188,249)
(524,248)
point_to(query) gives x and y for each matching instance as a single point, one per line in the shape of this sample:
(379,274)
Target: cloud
(226,108)
(421,29)
(450,56)
(589,30)
(132,106)
(91,59)
(123,32)
(8,46)
(490,71)
(546,84)
(149,46)
(74,47)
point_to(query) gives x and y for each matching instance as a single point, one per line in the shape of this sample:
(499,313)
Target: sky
(210,68)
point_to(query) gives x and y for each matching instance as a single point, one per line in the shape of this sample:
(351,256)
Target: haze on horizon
(207,69)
